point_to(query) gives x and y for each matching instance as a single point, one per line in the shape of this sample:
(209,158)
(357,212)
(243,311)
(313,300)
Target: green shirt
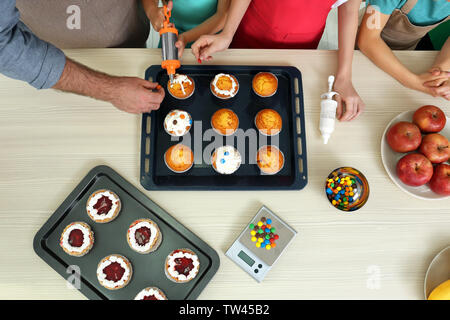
(424,13)
(187,14)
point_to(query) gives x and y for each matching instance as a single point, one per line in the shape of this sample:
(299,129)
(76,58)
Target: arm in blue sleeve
(24,56)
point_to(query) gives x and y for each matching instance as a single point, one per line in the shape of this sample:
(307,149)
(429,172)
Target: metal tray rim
(39,238)
(298,183)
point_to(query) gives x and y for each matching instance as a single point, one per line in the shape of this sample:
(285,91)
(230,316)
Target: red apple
(404,137)
(429,119)
(440,182)
(414,169)
(435,147)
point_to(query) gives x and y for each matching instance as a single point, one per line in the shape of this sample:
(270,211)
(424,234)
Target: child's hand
(206,45)
(443,90)
(354,105)
(441,76)
(424,82)
(180,44)
(156,16)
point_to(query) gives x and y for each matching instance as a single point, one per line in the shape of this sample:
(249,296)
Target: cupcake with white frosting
(182,265)
(103,206)
(151,293)
(226,160)
(182,86)
(77,239)
(114,272)
(144,236)
(224,86)
(177,123)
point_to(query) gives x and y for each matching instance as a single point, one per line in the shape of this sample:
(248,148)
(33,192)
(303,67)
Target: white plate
(437,272)
(390,159)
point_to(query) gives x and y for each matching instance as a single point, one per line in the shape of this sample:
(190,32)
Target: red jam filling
(142,236)
(103,205)
(114,272)
(76,238)
(184,265)
(151,297)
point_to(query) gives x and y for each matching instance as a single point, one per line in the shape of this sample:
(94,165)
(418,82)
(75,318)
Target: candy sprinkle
(263,234)
(341,191)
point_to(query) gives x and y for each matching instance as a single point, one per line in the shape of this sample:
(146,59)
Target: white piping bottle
(328,108)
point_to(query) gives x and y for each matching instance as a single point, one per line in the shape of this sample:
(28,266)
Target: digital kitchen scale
(256,259)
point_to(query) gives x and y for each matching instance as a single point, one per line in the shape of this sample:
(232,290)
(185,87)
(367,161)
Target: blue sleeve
(385,6)
(24,56)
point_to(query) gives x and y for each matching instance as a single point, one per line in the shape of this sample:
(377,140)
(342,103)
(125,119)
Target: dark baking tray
(110,238)
(288,101)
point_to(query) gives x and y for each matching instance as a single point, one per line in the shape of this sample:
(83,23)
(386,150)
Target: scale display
(261,243)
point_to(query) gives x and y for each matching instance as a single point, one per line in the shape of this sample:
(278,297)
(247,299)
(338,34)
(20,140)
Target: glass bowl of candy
(347,189)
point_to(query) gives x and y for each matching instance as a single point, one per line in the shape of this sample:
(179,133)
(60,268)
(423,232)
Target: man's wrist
(79,79)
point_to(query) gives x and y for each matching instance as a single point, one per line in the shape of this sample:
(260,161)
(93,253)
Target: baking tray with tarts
(287,101)
(110,238)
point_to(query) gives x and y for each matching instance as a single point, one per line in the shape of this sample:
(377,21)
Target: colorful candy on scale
(263,234)
(341,191)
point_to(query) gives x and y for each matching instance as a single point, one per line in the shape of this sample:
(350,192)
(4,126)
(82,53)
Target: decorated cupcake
(270,159)
(268,122)
(103,206)
(179,158)
(77,239)
(114,272)
(144,236)
(151,293)
(225,122)
(265,84)
(224,86)
(182,265)
(226,160)
(177,123)
(182,86)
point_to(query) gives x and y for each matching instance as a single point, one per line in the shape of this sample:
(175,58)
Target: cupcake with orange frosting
(265,84)
(225,122)
(224,86)
(268,122)
(270,159)
(182,86)
(179,158)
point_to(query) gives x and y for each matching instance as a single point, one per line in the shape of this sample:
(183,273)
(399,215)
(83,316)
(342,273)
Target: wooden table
(49,140)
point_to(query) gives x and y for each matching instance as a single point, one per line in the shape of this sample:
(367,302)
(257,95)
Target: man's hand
(135,95)
(129,94)
(206,45)
(156,14)
(354,105)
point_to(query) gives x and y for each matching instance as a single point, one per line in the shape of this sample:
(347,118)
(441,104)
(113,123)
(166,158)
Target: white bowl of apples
(415,152)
